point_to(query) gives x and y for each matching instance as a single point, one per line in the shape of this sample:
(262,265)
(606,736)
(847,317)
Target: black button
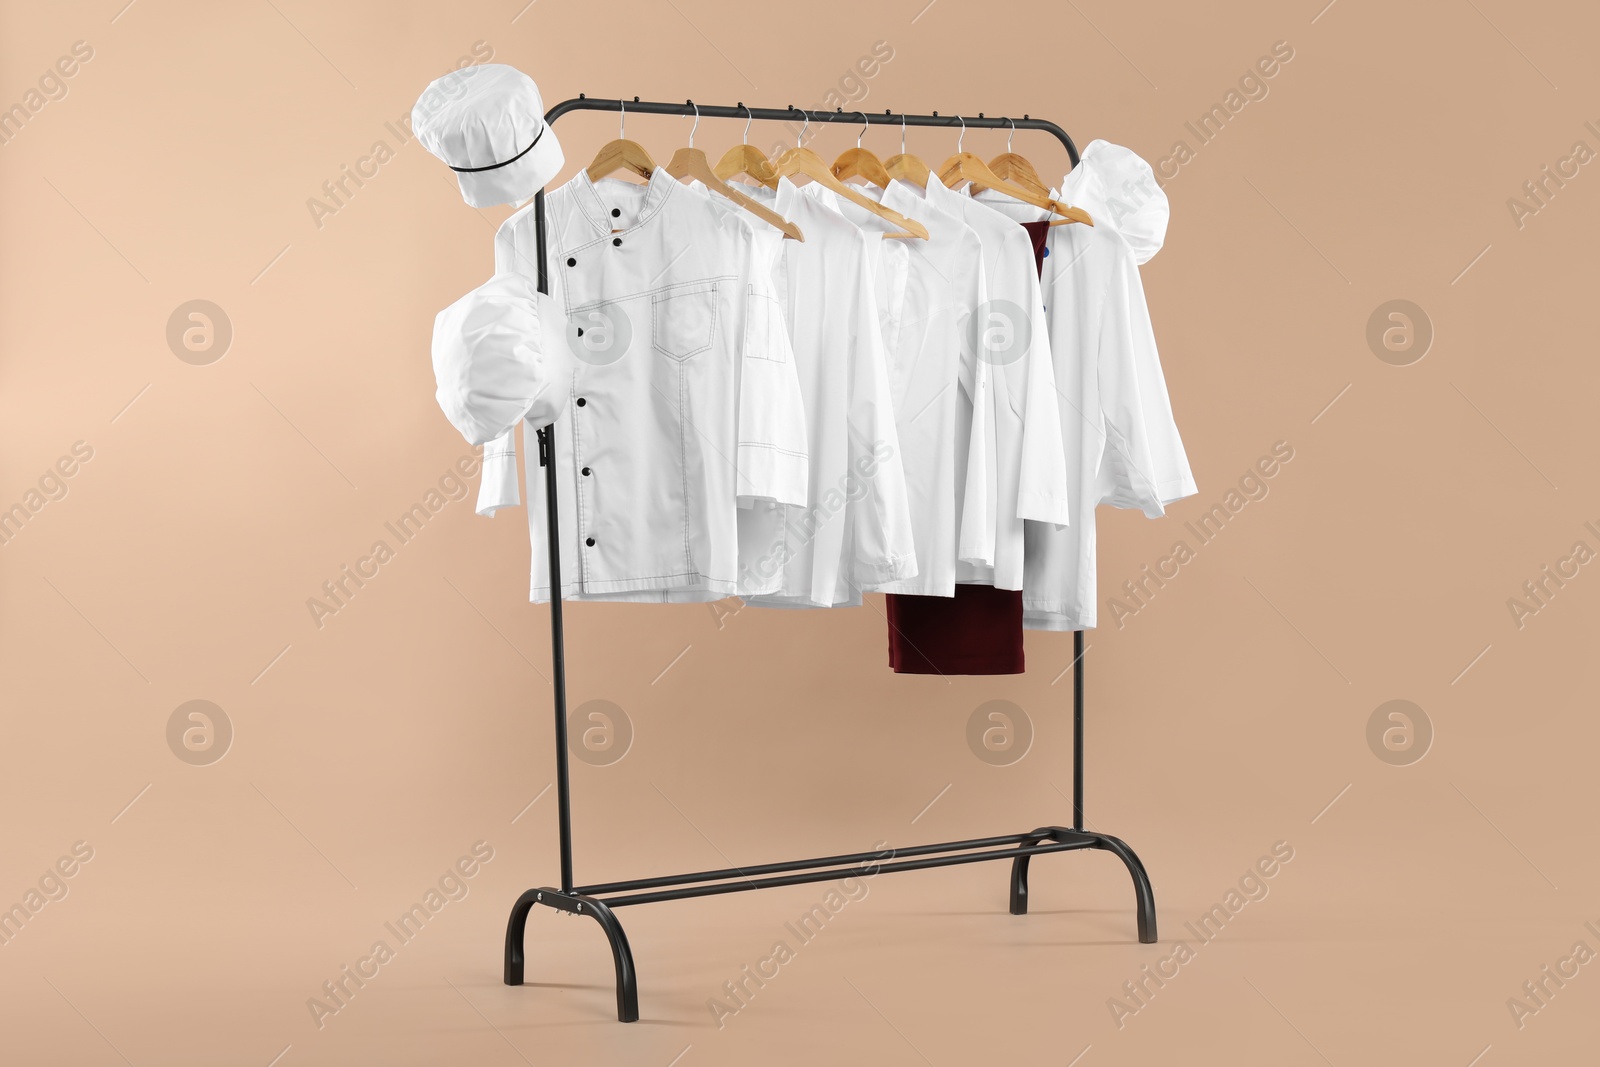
(580,331)
(581,401)
(586,472)
(572,262)
(616,241)
(616,212)
(589,541)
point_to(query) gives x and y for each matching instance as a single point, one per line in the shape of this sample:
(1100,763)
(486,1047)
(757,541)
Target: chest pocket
(684,319)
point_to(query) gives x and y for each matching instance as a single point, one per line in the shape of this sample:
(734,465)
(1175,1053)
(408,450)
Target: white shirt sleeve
(497,486)
(980,506)
(771,460)
(1042,492)
(881,519)
(1145,466)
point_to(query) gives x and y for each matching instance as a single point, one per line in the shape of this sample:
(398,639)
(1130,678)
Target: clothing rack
(600,900)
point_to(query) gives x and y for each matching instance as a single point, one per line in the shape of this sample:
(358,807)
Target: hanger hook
(622,123)
(962,139)
(802,138)
(696,125)
(864,125)
(750,117)
(1012,134)
(902,134)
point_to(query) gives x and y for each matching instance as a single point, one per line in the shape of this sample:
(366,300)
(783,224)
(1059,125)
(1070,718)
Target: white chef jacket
(854,534)
(1115,412)
(1026,476)
(932,386)
(683,404)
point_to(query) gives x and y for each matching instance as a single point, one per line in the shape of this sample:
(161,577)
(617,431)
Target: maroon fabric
(977,631)
(1039,231)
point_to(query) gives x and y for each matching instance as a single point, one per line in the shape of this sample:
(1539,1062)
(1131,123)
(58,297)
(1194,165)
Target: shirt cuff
(1042,507)
(767,473)
(498,486)
(1170,492)
(868,576)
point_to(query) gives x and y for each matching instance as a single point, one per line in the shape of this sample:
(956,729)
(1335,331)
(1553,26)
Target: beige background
(1229,714)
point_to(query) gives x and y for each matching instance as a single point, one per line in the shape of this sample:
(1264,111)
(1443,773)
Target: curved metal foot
(1144,895)
(515,929)
(621,954)
(1019,871)
(622,957)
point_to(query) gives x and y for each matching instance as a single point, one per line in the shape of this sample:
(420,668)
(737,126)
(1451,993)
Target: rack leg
(1019,872)
(516,928)
(621,953)
(1144,895)
(1077,727)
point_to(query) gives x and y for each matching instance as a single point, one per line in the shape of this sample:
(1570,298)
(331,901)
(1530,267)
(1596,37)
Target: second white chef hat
(1120,191)
(500,355)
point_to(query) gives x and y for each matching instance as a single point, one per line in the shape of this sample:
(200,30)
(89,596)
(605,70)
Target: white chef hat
(487,123)
(1119,190)
(501,354)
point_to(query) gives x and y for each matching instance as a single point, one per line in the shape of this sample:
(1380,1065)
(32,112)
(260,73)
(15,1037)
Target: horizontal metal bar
(796,865)
(689,108)
(865,871)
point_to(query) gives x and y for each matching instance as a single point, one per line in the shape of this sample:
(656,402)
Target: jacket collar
(657,191)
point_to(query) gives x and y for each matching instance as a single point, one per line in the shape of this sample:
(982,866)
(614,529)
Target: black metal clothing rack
(599,900)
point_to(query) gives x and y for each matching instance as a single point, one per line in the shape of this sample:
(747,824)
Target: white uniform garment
(1120,192)
(931,386)
(888,266)
(1026,477)
(854,534)
(1115,412)
(684,402)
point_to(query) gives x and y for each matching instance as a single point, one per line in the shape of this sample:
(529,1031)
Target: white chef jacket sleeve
(980,506)
(1145,466)
(1042,491)
(881,519)
(498,486)
(771,461)
(1173,478)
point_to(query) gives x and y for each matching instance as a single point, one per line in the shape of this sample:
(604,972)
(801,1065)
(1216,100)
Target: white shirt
(854,533)
(931,386)
(1026,476)
(684,402)
(1114,409)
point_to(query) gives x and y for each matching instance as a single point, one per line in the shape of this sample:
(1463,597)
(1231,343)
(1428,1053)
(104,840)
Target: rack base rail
(599,901)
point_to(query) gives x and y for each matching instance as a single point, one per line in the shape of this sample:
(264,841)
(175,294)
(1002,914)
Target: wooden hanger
(1008,166)
(907,167)
(691,162)
(622,154)
(964,166)
(802,160)
(1013,168)
(747,159)
(860,162)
